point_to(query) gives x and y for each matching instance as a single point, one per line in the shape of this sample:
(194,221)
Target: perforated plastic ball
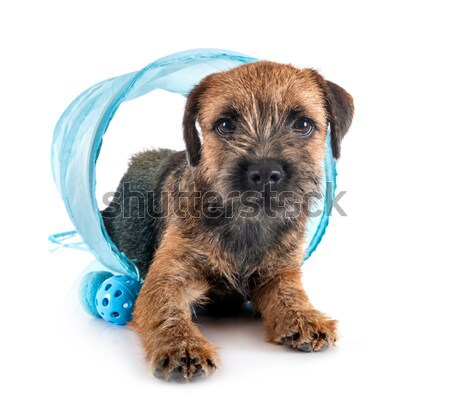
(116,297)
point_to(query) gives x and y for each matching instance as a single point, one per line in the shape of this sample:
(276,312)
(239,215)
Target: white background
(382,271)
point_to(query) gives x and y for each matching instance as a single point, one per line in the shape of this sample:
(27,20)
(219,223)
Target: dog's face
(263,132)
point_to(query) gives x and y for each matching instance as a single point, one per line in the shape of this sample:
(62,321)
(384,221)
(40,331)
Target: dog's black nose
(264,172)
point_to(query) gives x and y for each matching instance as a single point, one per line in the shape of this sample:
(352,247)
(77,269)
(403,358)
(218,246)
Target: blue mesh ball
(116,297)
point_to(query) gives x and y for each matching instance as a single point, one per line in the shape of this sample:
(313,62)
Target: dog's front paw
(308,331)
(185,360)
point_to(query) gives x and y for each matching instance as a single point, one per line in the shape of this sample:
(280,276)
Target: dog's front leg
(288,315)
(162,316)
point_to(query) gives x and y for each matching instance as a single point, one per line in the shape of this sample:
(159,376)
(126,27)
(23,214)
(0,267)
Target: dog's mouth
(256,205)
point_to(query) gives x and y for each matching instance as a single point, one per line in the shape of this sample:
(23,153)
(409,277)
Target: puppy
(223,222)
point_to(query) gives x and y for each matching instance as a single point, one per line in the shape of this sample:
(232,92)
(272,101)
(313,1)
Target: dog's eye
(225,127)
(303,126)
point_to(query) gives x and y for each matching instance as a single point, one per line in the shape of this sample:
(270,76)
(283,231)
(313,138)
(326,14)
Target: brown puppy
(224,221)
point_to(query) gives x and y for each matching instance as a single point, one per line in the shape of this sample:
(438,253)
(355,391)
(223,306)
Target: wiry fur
(190,257)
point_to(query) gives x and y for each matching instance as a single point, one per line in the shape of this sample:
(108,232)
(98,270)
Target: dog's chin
(251,228)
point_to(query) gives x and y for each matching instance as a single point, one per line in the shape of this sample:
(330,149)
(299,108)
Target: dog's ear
(190,133)
(340,114)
